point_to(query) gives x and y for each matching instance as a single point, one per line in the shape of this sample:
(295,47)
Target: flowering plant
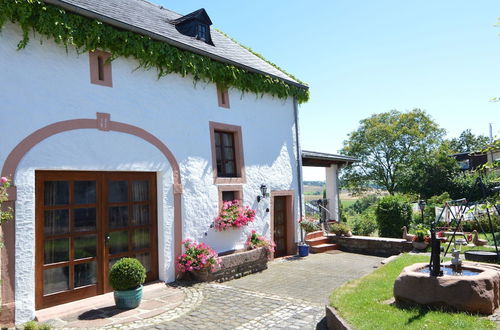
(233,215)
(4,214)
(309,224)
(419,237)
(197,256)
(255,240)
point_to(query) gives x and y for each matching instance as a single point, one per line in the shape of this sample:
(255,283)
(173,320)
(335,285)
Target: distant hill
(314,183)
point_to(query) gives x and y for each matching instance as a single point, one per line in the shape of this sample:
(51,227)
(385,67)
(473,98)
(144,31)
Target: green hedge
(392,213)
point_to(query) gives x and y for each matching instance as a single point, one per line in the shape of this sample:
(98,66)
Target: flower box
(235,264)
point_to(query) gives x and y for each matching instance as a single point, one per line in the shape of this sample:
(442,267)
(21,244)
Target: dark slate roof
(313,158)
(199,14)
(155,21)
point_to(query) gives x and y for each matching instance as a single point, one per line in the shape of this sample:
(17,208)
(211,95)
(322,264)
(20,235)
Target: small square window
(223,96)
(228,193)
(100,68)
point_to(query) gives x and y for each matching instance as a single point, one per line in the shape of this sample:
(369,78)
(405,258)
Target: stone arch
(102,122)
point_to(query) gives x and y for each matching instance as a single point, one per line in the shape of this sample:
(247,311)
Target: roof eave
(125,26)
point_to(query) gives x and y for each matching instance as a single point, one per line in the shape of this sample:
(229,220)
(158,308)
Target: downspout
(299,161)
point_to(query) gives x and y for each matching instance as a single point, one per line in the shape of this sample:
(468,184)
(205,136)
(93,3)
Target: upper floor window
(100,68)
(227,153)
(224,150)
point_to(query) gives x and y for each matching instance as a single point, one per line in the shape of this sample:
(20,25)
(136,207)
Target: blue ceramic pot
(303,250)
(128,299)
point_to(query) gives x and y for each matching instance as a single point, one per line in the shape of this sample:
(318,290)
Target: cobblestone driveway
(291,294)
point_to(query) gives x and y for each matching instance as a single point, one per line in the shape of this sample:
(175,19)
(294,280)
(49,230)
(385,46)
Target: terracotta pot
(200,275)
(419,245)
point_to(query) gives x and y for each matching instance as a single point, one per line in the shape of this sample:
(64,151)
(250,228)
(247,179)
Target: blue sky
(361,57)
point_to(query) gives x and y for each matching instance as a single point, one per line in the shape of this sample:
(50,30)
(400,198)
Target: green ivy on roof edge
(87,34)
(261,57)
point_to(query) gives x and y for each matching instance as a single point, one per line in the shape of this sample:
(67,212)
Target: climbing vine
(87,34)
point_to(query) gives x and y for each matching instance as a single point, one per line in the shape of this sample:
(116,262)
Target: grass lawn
(361,303)
(347,202)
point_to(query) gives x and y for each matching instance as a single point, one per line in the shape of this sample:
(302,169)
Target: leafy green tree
(387,144)
(431,174)
(468,142)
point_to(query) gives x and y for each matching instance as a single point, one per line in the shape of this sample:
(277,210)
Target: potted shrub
(198,259)
(233,215)
(126,277)
(340,229)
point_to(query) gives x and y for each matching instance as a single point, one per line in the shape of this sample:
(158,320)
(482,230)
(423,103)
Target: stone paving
(290,294)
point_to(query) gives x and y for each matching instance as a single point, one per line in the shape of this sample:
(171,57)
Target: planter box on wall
(238,264)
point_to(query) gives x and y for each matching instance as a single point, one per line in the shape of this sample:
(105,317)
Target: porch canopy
(332,163)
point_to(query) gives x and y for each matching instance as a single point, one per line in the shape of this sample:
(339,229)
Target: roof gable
(199,15)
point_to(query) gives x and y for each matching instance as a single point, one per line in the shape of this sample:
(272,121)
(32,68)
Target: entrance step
(323,248)
(314,234)
(317,241)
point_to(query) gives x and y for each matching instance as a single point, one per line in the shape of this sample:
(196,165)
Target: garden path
(290,294)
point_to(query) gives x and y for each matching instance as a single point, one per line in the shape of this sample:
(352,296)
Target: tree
(430,175)
(468,142)
(387,144)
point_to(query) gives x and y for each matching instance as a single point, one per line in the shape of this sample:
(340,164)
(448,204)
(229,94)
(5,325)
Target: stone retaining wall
(379,246)
(334,321)
(239,264)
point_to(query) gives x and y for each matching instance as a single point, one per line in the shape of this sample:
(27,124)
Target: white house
(108,160)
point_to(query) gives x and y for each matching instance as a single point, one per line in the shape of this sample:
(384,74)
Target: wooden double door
(85,222)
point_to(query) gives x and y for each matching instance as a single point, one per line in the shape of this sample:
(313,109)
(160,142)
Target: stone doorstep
(87,304)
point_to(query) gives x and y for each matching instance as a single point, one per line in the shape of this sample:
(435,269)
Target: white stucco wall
(43,84)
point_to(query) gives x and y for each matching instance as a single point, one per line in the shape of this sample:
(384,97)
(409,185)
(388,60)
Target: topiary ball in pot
(126,277)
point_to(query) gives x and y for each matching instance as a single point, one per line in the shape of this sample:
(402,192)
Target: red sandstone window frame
(238,153)
(237,189)
(223,96)
(100,68)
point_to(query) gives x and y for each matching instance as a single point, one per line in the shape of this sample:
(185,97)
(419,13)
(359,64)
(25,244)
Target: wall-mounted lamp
(263,191)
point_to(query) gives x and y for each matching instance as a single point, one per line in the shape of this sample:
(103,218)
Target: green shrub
(363,224)
(471,225)
(33,325)
(392,213)
(339,228)
(127,274)
(364,203)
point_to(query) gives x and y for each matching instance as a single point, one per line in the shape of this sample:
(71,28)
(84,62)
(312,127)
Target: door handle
(106,238)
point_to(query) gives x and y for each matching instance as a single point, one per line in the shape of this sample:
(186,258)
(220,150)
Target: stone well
(476,294)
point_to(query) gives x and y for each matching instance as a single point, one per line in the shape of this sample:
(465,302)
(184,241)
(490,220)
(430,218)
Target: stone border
(378,246)
(334,321)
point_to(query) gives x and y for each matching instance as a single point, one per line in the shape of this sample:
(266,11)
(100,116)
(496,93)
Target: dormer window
(196,25)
